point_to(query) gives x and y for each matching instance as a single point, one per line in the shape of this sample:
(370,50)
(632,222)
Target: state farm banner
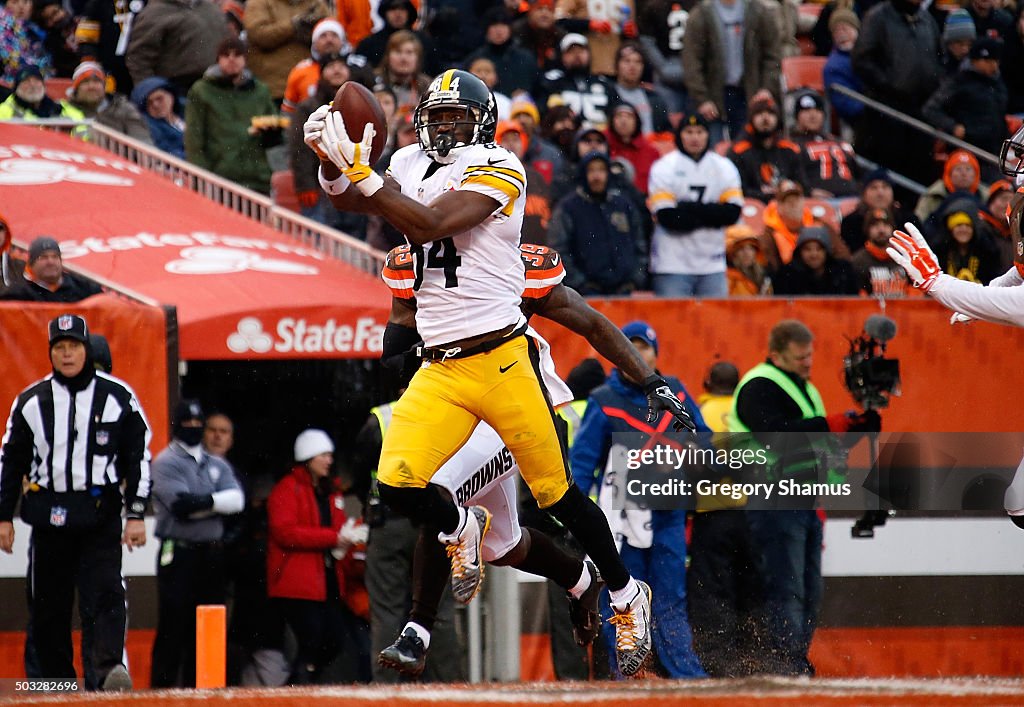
(137,336)
(242,290)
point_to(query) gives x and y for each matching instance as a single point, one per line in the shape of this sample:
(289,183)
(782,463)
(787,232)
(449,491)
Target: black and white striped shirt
(65,441)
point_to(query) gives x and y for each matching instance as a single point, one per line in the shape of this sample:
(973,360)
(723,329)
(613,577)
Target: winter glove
(352,158)
(661,398)
(629,29)
(188,503)
(600,26)
(313,128)
(850,421)
(309,198)
(910,251)
(349,535)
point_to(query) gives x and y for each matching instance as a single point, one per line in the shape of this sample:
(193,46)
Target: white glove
(313,128)
(353,534)
(910,251)
(959,318)
(352,158)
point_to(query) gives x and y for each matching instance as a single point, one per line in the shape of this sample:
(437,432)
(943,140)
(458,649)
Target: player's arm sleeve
(1000,305)
(589,447)
(1010,278)
(133,459)
(229,497)
(502,182)
(15,460)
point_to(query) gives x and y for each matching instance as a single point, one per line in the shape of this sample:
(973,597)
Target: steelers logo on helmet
(457,110)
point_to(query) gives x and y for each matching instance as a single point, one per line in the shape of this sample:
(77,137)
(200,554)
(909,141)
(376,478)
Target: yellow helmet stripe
(446,81)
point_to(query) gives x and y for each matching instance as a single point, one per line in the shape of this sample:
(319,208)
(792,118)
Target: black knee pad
(421,505)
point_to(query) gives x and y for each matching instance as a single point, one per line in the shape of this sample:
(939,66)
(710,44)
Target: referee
(76,435)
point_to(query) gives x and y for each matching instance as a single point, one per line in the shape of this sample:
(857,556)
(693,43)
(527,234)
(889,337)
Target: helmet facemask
(1011,158)
(446,130)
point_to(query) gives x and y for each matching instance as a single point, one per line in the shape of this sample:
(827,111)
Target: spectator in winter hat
(88,98)
(29,100)
(971,105)
(958,33)
(844,27)
(876,192)
(157,101)
(328,39)
(45,279)
(961,173)
(813,270)
(746,276)
(877,273)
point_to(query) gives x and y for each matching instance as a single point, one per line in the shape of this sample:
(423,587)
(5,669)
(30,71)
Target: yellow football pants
(444,403)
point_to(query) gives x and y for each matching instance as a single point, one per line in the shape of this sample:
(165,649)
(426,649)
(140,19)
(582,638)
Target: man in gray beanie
(45,279)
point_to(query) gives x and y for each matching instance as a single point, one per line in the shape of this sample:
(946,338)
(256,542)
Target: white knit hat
(311,443)
(331,25)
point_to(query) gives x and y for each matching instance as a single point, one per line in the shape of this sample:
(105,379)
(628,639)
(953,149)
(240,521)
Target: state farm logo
(22,172)
(296,335)
(208,260)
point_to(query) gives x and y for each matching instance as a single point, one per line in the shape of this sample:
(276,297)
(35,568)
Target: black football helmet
(459,89)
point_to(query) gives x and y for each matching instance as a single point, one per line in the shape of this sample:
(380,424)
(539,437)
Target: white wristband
(333,187)
(371,185)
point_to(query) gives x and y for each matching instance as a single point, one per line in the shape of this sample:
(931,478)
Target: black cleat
(407,655)
(585,611)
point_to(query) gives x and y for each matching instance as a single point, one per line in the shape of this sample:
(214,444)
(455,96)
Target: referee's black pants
(188,575)
(62,560)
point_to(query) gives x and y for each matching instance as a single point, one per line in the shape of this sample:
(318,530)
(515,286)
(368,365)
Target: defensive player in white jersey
(695,194)
(1001,302)
(480,472)
(459,199)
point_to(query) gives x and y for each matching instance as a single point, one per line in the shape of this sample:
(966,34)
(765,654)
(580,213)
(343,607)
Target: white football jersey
(470,283)
(674,178)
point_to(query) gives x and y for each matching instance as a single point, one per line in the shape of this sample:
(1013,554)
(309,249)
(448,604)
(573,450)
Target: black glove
(660,397)
(188,503)
(867,421)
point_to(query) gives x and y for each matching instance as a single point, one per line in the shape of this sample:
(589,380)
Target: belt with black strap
(436,353)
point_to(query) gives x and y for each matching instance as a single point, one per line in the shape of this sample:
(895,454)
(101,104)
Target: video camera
(871,379)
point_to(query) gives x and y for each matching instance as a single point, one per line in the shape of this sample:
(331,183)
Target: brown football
(358,107)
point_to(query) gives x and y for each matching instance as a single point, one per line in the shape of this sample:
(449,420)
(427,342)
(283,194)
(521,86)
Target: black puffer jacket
(977,102)
(897,55)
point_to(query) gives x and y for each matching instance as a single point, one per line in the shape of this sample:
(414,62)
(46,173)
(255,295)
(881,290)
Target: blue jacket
(589,452)
(165,136)
(839,70)
(601,239)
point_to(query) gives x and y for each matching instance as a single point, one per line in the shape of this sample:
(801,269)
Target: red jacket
(640,153)
(297,542)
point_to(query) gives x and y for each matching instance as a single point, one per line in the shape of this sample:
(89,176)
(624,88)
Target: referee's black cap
(68,326)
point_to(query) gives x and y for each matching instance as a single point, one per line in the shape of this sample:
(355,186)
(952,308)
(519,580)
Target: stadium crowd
(598,109)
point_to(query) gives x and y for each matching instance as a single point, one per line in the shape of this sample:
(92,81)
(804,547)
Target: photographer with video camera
(775,397)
